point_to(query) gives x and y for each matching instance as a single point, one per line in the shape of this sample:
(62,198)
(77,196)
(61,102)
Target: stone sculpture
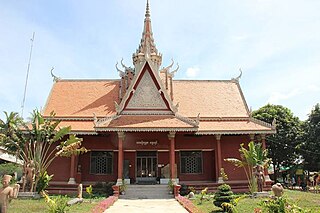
(28,177)
(277,190)
(7,192)
(260,178)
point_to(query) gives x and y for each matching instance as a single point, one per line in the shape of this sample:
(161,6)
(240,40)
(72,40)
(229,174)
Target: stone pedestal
(220,180)
(72,181)
(260,194)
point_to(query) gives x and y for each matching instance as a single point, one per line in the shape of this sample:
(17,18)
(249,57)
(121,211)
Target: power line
(28,69)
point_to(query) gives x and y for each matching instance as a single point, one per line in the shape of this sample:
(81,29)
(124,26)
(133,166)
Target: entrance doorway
(146,167)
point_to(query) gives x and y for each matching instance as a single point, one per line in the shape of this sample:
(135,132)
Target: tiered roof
(141,100)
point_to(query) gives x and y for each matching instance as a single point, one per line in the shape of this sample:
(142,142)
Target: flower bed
(103,205)
(187,204)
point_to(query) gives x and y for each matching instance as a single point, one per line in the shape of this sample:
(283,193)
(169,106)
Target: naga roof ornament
(237,78)
(55,78)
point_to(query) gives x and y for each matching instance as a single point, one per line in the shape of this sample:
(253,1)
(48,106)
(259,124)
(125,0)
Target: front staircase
(147,192)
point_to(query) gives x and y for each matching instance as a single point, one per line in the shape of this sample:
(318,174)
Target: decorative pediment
(146,95)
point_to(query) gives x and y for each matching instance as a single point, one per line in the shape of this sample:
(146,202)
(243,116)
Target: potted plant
(170,186)
(123,187)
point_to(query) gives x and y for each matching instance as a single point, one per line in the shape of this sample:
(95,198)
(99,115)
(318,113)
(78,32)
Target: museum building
(146,127)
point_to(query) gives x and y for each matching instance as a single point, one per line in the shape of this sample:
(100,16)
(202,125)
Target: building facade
(146,127)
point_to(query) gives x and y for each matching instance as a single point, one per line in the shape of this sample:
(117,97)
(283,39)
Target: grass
(37,206)
(305,200)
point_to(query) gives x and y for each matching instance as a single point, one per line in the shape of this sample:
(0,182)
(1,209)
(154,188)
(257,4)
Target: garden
(301,201)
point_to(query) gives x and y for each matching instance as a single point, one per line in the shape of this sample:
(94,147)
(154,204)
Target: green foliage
(310,148)
(11,137)
(89,190)
(184,190)
(123,186)
(39,142)
(203,193)
(223,195)
(170,185)
(56,204)
(223,174)
(10,168)
(280,205)
(103,189)
(43,182)
(282,146)
(254,156)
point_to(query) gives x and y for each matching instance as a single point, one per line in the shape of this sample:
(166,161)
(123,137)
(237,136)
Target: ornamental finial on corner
(237,78)
(55,78)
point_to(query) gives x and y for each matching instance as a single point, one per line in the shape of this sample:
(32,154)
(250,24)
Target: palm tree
(11,137)
(250,158)
(39,142)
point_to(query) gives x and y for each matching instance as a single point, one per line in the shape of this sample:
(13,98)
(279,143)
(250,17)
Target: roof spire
(147,49)
(147,9)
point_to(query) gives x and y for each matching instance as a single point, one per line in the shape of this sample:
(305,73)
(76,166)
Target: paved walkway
(146,206)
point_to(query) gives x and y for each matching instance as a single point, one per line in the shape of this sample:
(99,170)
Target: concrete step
(146,192)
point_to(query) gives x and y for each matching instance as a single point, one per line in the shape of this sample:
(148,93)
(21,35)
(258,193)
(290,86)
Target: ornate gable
(146,95)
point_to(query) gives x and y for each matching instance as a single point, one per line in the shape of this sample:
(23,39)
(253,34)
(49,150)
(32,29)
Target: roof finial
(147,10)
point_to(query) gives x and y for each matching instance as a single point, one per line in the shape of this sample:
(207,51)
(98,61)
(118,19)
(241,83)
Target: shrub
(223,195)
(184,190)
(103,189)
(43,182)
(10,169)
(56,204)
(280,205)
(170,185)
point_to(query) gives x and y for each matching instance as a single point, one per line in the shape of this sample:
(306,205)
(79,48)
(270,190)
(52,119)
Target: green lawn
(37,206)
(306,200)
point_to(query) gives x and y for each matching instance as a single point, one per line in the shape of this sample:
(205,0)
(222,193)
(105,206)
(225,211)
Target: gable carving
(146,95)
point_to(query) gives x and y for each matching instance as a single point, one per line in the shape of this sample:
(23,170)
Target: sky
(275,43)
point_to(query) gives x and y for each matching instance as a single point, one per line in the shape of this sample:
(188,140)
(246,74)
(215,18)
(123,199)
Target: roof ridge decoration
(190,121)
(237,79)
(101,121)
(147,49)
(55,78)
(272,126)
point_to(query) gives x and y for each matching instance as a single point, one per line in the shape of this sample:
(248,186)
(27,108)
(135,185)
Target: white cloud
(277,97)
(192,72)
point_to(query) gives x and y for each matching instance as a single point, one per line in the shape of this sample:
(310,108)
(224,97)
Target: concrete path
(146,206)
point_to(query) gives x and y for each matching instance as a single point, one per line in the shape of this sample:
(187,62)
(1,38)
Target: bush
(10,169)
(56,204)
(103,189)
(43,182)
(279,205)
(184,190)
(223,195)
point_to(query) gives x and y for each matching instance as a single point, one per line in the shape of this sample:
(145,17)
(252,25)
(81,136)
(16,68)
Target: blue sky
(275,43)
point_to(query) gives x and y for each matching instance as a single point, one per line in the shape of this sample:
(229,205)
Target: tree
(283,145)
(11,136)
(252,157)
(310,147)
(40,142)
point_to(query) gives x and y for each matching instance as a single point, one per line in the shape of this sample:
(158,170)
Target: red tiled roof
(79,125)
(232,126)
(209,98)
(76,99)
(82,98)
(145,122)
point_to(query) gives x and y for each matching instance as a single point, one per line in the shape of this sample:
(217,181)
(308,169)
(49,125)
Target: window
(101,162)
(191,162)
